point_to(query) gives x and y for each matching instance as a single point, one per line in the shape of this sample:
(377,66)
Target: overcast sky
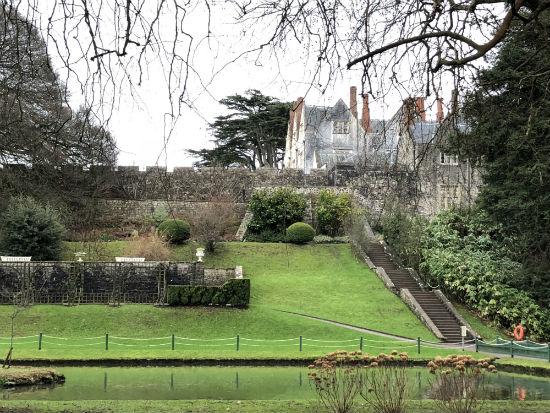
(141,126)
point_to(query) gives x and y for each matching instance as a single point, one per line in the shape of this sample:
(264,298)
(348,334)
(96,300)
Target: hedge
(235,292)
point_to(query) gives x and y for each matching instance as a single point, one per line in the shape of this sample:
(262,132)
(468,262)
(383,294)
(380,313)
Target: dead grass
(24,375)
(152,248)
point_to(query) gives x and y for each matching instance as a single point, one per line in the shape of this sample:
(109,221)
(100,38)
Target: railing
(526,348)
(235,343)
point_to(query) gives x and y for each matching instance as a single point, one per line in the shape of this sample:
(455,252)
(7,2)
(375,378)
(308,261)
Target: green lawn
(319,280)
(207,406)
(324,281)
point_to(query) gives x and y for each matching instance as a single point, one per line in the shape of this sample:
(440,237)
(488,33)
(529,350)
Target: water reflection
(235,383)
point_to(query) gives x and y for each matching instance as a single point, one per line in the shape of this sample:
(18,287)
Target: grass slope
(320,280)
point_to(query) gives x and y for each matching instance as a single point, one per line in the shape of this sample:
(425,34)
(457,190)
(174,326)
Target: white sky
(142,128)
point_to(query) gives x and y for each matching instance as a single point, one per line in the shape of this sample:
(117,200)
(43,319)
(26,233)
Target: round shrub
(175,231)
(299,233)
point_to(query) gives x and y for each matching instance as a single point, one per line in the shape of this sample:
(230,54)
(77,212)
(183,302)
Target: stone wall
(218,276)
(112,211)
(188,184)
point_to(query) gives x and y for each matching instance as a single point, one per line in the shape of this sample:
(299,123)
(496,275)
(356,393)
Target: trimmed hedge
(175,231)
(299,233)
(235,292)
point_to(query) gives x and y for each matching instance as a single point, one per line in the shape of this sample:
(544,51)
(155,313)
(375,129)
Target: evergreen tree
(509,115)
(252,135)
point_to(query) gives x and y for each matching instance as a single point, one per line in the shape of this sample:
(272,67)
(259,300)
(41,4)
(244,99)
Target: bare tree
(392,43)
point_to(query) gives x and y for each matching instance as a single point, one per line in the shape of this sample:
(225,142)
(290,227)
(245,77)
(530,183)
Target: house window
(449,159)
(340,126)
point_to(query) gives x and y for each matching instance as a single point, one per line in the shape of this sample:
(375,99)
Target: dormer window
(340,126)
(449,159)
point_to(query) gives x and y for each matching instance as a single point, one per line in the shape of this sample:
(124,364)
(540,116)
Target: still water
(234,383)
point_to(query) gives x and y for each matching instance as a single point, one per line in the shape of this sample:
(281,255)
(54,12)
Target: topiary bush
(31,229)
(299,233)
(175,231)
(235,292)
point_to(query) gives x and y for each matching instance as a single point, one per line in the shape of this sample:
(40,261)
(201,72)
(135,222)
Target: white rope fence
(174,342)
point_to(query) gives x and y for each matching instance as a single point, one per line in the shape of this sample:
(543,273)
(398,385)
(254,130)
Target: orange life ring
(520,393)
(518,333)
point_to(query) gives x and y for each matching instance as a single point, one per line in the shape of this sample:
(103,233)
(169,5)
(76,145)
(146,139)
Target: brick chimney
(439,116)
(298,108)
(353,101)
(419,109)
(291,113)
(365,115)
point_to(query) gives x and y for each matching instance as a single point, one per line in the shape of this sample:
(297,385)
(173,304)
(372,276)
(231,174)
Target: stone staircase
(430,303)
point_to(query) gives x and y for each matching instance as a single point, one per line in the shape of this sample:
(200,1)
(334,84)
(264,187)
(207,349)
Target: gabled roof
(424,132)
(314,115)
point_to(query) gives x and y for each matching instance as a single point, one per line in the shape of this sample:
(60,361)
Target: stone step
(428,301)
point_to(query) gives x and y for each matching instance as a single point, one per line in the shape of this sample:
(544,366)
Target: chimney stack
(439,116)
(353,101)
(420,111)
(365,115)
(297,108)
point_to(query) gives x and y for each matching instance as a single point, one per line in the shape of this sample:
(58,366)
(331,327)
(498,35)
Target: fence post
(548,348)
(475,339)
(40,342)
(300,343)
(418,341)
(237,342)
(173,342)
(106,341)
(361,344)
(511,348)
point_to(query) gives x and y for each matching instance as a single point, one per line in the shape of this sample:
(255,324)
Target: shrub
(29,228)
(211,223)
(175,231)
(470,264)
(458,383)
(160,214)
(275,211)
(381,381)
(336,379)
(331,212)
(403,232)
(385,386)
(152,248)
(235,292)
(299,233)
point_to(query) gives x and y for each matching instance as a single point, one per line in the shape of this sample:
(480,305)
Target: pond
(234,383)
